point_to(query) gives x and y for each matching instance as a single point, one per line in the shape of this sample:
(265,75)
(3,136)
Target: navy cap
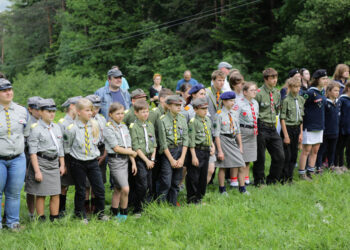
(319,73)
(95,99)
(71,100)
(173,99)
(228,95)
(114,73)
(5,84)
(32,102)
(200,103)
(47,104)
(293,72)
(196,88)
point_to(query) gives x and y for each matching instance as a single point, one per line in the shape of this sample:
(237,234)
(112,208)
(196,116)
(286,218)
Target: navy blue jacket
(342,86)
(344,114)
(332,116)
(314,118)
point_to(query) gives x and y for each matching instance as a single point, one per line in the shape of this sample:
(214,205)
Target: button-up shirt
(266,114)
(222,123)
(245,114)
(114,133)
(138,139)
(198,136)
(289,112)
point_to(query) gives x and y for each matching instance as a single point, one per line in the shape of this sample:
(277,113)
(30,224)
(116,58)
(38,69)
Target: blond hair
(86,103)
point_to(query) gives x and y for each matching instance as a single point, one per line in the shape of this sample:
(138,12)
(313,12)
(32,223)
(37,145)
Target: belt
(293,126)
(246,126)
(204,148)
(174,146)
(117,156)
(265,124)
(9,158)
(49,158)
(229,135)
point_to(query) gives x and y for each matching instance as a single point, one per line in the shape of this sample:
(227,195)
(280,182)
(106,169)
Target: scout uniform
(248,113)
(269,105)
(32,102)
(46,141)
(14,126)
(188,110)
(199,133)
(344,131)
(227,127)
(292,113)
(130,116)
(173,135)
(83,149)
(214,101)
(143,138)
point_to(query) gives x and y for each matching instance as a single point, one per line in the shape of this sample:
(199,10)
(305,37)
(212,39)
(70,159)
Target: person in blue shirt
(341,75)
(331,132)
(313,123)
(187,79)
(125,84)
(113,92)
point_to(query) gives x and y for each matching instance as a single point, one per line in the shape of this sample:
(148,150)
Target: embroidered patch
(258,90)
(306,96)
(244,114)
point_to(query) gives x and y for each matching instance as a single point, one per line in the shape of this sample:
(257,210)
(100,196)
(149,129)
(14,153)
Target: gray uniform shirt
(113,136)
(188,112)
(65,122)
(74,141)
(102,123)
(245,112)
(20,126)
(222,123)
(40,139)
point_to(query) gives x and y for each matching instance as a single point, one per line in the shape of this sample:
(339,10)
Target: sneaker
(304,177)
(103,218)
(85,221)
(234,184)
(121,217)
(337,170)
(16,227)
(344,169)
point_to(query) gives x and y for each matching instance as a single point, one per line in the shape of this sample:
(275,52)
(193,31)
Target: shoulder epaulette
(181,115)
(192,120)
(123,122)
(70,126)
(219,111)
(131,125)
(126,111)
(61,120)
(186,108)
(155,108)
(162,116)
(108,124)
(34,125)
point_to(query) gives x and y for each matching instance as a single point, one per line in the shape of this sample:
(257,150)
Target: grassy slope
(304,215)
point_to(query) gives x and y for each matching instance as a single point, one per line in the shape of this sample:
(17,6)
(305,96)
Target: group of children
(147,150)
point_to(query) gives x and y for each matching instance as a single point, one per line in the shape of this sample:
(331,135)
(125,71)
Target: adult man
(225,68)
(125,84)
(269,101)
(113,92)
(187,79)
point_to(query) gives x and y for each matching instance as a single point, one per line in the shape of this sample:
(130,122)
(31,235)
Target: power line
(149,30)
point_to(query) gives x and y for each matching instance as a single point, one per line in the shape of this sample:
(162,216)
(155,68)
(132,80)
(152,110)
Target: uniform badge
(258,90)
(306,96)
(244,114)
(235,108)
(22,121)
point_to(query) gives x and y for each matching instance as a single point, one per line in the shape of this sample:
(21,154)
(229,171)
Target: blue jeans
(12,175)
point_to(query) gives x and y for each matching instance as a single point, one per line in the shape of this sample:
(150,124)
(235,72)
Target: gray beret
(5,84)
(95,99)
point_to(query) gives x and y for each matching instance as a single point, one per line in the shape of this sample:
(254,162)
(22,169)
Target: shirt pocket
(44,142)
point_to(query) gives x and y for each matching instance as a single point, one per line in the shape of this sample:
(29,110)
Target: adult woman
(341,75)
(13,128)
(155,89)
(305,79)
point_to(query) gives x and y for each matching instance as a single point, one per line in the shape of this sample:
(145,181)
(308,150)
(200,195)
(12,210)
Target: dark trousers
(143,184)
(343,143)
(269,139)
(327,148)
(196,178)
(90,169)
(290,153)
(170,178)
(155,175)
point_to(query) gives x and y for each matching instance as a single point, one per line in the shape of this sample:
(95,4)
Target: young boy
(292,127)
(201,146)
(144,143)
(268,98)
(137,94)
(173,141)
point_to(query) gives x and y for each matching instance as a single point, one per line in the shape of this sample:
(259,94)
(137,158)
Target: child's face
(346,74)
(95,111)
(219,82)
(251,92)
(199,94)
(174,108)
(85,114)
(239,86)
(201,112)
(229,103)
(35,113)
(271,81)
(322,81)
(142,114)
(306,75)
(47,115)
(117,115)
(294,90)
(334,93)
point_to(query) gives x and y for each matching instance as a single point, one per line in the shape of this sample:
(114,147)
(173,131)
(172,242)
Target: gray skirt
(118,168)
(249,141)
(233,157)
(50,184)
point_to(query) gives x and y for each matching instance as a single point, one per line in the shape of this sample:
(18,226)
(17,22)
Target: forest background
(65,47)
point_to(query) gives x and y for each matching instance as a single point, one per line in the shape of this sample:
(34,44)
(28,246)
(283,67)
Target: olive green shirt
(199,132)
(130,116)
(167,131)
(139,139)
(266,114)
(289,110)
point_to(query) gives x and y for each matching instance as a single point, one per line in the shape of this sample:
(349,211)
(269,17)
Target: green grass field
(305,215)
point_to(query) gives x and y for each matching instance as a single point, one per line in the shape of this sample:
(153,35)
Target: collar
(115,124)
(314,88)
(294,97)
(267,89)
(82,125)
(213,89)
(200,118)
(138,121)
(11,106)
(171,116)
(44,124)
(344,95)
(68,117)
(330,101)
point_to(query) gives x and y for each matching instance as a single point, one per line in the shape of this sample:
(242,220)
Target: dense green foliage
(84,38)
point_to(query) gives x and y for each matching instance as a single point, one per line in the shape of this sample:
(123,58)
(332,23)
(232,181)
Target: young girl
(344,133)
(236,81)
(47,159)
(81,142)
(313,123)
(118,146)
(341,75)
(197,91)
(248,118)
(155,89)
(228,142)
(331,132)
(184,89)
